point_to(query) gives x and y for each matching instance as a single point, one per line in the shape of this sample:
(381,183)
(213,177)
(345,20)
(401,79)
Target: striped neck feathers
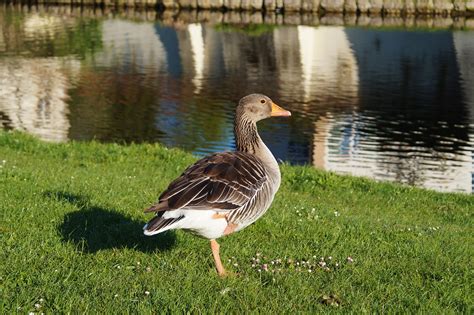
(246,135)
(248,140)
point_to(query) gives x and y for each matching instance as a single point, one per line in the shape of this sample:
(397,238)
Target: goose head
(256,107)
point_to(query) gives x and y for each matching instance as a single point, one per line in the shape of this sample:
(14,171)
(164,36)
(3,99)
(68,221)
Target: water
(390,104)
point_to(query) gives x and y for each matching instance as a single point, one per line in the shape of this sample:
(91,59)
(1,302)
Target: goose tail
(159,224)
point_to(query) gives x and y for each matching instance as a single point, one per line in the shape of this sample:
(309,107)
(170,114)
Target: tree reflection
(43,35)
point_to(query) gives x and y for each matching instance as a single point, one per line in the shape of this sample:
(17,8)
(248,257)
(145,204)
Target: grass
(71,240)
(250,29)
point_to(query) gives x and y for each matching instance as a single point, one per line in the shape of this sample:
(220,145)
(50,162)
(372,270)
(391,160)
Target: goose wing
(222,181)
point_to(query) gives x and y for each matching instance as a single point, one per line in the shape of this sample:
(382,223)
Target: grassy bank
(71,241)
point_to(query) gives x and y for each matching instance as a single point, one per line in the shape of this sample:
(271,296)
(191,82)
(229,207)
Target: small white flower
(115,295)
(37,305)
(147,292)
(225,290)
(350,260)
(41,300)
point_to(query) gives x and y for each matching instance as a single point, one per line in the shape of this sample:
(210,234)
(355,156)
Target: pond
(390,103)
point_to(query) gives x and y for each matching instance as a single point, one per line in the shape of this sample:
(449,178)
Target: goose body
(224,187)
(226,191)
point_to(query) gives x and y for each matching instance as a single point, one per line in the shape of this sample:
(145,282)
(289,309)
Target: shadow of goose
(94,228)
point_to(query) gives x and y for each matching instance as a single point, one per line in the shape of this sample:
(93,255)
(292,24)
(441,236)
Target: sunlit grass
(71,240)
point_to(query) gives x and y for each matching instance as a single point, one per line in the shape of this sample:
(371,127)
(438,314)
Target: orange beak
(278,111)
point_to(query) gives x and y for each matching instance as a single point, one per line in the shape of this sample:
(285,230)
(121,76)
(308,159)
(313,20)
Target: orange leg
(217,258)
(230,228)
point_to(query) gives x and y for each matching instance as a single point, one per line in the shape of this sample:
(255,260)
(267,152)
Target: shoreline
(376,7)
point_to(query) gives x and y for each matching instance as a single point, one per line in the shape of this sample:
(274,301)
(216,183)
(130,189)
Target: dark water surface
(391,104)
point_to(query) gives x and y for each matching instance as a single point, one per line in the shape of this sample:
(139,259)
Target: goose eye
(262,101)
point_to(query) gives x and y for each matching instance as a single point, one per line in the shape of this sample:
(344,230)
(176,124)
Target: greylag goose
(227,191)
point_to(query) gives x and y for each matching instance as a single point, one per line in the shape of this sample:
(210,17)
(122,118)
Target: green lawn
(71,240)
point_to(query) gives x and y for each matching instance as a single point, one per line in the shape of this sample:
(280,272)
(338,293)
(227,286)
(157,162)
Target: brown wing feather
(222,181)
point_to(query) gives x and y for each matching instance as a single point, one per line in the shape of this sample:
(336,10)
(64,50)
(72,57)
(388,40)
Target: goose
(227,191)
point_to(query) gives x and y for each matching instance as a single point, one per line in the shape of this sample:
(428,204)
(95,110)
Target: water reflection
(197,48)
(328,65)
(33,95)
(388,104)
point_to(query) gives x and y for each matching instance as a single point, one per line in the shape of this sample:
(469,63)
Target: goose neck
(246,134)
(248,140)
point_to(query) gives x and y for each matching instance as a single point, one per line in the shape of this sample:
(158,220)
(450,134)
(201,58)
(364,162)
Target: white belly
(199,222)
